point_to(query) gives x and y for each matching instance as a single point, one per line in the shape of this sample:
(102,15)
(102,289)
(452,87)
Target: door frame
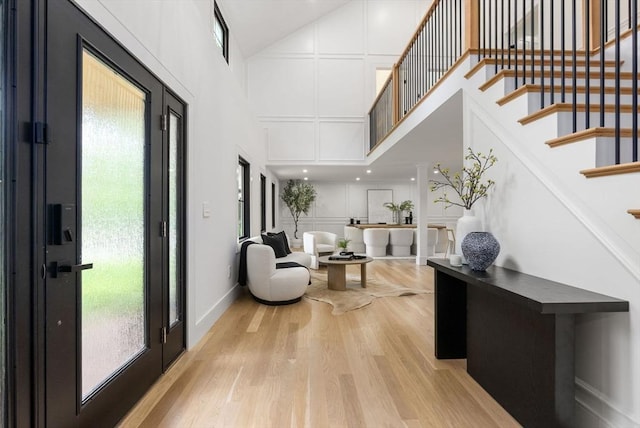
(26,214)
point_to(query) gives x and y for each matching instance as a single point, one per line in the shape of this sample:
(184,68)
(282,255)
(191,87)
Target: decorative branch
(467,183)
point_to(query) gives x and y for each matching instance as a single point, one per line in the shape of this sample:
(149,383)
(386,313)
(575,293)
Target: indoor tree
(298,197)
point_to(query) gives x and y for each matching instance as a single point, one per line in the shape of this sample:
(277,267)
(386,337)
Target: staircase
(575,64)
(549,87)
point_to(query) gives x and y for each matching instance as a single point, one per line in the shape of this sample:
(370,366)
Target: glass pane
(240,173)
(174,273)
(3,225)
(112,230)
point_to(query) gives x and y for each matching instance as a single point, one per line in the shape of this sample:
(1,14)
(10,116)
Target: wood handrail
(386,83)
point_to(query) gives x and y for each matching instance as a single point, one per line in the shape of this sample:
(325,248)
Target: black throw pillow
(276,244)
(282,236)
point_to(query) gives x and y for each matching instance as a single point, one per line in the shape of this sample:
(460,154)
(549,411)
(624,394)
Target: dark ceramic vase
(480,249)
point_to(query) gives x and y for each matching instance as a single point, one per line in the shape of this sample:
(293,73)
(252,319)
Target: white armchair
(318,243)
(273,286)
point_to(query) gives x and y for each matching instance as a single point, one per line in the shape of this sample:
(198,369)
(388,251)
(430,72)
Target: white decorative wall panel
(340,88)
(331,200)
(342,32)
(385,36)
(291,140)
(301,42)
(282,86)
(341,141)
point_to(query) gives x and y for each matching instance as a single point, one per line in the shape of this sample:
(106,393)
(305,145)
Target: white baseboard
(593,409)
(196,332)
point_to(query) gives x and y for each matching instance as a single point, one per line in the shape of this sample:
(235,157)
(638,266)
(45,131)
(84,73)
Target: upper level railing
(551,46)
(435,47)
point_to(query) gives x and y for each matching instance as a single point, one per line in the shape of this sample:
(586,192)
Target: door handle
(63,267)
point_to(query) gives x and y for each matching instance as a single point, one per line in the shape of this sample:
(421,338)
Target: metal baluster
(489,33)
(502,35)
(439,42)
(553,54)
(563,66)
(603,31)
(574,80)
(484,30)
(515,36)
(542,65)
(587,59)
(524,42)
(617,83)
(509,33)
(532,44)
(634,84)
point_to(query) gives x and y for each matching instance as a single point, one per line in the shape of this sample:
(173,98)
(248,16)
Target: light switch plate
(206,210)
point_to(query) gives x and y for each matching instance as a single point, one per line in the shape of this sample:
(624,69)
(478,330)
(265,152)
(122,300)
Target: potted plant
(343,244)
(470,187)
(298,197)
(398,209)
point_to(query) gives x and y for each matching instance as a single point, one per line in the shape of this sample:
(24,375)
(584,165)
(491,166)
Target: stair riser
(565,121)
(510,83)
(490,70)
(533,99)
(605,151)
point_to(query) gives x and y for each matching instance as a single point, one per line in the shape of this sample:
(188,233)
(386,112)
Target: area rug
(355,297)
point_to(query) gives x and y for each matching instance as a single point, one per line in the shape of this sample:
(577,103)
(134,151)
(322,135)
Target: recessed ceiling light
(304,171)
(306,178)
(357,178)
(368,171)
(413,179)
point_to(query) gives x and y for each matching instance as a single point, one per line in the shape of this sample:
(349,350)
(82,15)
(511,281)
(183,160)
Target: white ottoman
(376,241)
(400,241)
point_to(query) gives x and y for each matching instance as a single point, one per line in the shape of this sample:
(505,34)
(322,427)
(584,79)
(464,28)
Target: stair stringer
(546,230)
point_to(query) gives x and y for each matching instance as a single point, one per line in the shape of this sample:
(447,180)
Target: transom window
(221,32)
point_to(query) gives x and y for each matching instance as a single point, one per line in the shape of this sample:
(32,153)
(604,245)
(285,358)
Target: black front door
(109,233)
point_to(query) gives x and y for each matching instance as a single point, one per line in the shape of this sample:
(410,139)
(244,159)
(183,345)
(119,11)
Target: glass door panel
(174,239)
(3,224)
(112,233)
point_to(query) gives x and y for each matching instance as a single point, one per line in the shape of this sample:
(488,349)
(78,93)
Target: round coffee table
(337,272)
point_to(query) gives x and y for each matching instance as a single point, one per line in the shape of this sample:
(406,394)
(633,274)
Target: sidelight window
(243,198)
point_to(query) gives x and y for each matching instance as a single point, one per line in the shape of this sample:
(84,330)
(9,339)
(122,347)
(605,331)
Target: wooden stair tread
(587,134)
(635,213)
(566,107)
(624,75)
(558,88)
(623,168)
(537,61)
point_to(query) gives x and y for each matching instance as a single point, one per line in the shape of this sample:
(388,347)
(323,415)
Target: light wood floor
(300,366)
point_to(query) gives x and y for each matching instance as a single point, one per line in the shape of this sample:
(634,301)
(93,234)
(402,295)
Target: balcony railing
(556,48)
(435,47)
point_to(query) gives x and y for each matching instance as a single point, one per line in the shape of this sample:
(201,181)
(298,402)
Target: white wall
(173,39)
(312,90)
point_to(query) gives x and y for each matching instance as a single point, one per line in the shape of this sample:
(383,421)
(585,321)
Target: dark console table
(517,333)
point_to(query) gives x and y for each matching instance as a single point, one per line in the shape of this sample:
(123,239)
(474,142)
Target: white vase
(466,224)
